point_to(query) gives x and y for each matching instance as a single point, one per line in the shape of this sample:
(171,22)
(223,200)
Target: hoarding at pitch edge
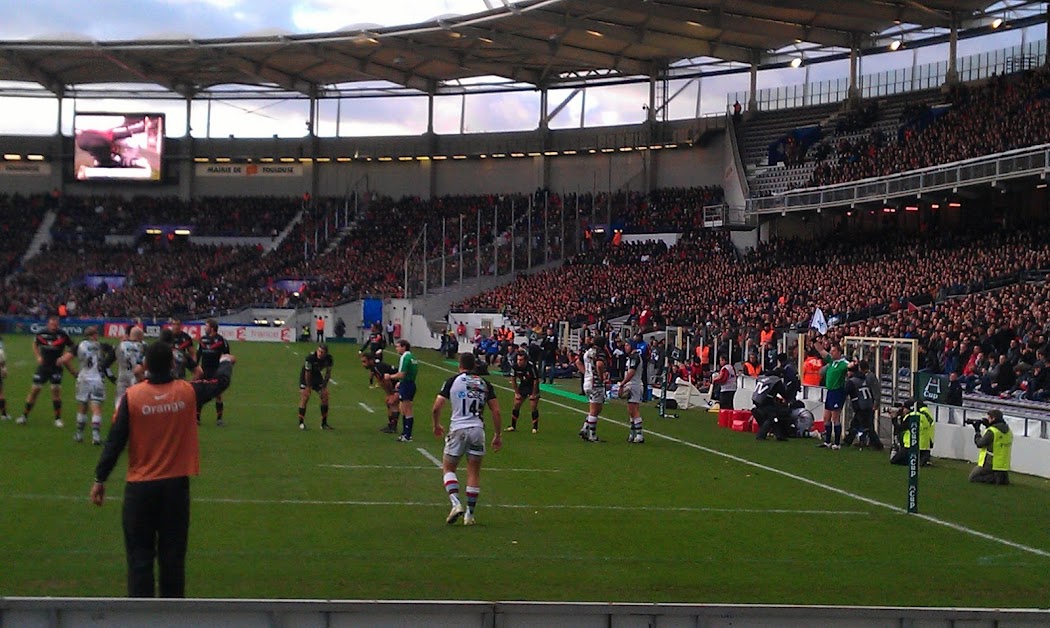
(118,147)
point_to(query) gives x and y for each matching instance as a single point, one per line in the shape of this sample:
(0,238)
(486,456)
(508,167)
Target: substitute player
(524,378)
(592,365)
(631,389)
(212,347)
(53,350)
(407,368)
(131,356)
(468,394)
(314,376)
(91,390)
(377,372)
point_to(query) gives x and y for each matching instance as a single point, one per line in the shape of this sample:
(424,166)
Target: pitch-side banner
(27,168)
(248,333)
(249,170)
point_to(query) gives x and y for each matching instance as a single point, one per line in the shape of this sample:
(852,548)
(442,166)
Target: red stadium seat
(725,418)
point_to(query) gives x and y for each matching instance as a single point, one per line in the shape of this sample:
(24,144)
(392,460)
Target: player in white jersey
(631,389)
(468,393)
(91,391)
(592,365)
(130,357)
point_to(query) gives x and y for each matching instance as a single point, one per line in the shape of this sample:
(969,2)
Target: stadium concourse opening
(900,222)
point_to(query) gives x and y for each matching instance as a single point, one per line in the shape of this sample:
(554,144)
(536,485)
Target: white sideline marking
(867,500)
(430,457)
(366,407)
(346,502)
(388,466)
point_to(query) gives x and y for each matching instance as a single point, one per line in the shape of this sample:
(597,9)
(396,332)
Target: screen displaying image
(125,147)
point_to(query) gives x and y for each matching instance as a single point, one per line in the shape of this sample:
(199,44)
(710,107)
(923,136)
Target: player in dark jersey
(182,343)
(212,347)
(374,346)
(525,379)
(314,376)
(378,371)
(53,349)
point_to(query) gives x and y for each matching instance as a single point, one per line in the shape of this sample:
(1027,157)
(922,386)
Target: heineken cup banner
(931,388)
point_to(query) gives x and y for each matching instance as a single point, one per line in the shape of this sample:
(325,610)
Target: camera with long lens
(976,424)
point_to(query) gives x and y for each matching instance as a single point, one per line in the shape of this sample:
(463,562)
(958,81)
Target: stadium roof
(533,42)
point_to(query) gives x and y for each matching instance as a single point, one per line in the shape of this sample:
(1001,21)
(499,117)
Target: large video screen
(118,146)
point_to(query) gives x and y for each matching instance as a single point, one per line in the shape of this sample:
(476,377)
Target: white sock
(81,421)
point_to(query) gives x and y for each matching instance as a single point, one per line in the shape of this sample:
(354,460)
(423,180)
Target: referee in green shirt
(835,382)
(407,367)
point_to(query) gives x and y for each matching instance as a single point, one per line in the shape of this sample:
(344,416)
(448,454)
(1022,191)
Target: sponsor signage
(25,168)
(247,333)
(249,170)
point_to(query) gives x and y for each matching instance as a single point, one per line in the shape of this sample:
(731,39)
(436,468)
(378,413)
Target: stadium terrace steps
(273,246)
(41,237)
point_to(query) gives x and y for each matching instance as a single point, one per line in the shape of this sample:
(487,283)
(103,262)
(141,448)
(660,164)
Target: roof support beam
(372,69)
(149,73)
(259,71)
(725,20)
(581,56)
(463,60)
(645,36)
(49,81)
(875,11)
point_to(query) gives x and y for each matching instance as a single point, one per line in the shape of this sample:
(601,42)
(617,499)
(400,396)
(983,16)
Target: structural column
(953,46)
(752,100)
(854,54)
(432,146)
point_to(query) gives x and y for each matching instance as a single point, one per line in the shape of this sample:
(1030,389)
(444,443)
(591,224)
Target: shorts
(528,390)
(46,374)
(634,393)
(835,399)
(90,390)
(208,372)
(123,384)
(595,395)
(406,390)
(316,385)
(469,440)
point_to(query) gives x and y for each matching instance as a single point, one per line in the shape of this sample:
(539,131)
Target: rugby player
(631,389)
(524,378)
(53,349)
(3,375)
(592,365)
(212,347)
(314,376)
(468,395)
(91,391)
(182,343)
(378,371)
(131,355)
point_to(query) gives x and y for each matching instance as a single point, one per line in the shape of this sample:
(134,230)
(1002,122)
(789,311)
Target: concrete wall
(105,613)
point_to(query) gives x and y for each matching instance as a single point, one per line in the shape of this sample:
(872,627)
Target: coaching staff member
(157,421)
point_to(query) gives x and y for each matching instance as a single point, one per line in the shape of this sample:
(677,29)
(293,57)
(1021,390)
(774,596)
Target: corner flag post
(913,463)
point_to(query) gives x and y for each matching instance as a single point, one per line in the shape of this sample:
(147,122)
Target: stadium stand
(19,219)
(96,217)
(1001,114)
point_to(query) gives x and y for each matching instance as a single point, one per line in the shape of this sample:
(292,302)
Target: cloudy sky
(131,19)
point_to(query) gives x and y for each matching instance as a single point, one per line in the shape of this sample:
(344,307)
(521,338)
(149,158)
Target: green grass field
(696,514)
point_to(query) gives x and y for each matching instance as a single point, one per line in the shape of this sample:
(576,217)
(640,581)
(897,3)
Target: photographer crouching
(995,445)
(901,420)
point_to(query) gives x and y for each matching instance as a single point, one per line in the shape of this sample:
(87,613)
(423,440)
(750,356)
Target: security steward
(157,421)
(995,445)
(902,439)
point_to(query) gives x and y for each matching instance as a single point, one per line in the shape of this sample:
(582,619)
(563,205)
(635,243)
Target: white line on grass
(535,507)
(867,500)
(428,468)
(429,456)
(366,407)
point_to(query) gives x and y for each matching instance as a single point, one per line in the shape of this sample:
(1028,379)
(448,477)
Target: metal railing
(1022,162)
(897,81)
